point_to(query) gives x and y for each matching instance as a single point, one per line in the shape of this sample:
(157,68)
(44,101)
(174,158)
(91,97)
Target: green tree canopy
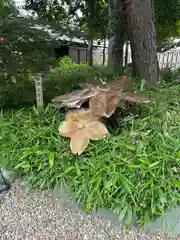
(166,16)
(24,46)
(167,19)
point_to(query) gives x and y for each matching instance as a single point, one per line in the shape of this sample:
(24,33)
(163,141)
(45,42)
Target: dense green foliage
(67,13)
(170,76)
(67,76)
(7,8)
(166,16)
(135,173)
(19,90)
(25,47)
(24,51)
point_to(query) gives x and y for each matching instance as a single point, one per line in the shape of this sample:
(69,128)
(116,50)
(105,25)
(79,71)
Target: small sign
(39,91)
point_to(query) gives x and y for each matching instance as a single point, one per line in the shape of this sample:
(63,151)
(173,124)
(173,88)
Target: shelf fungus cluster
(82,125)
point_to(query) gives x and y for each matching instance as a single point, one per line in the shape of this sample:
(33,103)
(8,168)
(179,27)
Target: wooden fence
(169,59)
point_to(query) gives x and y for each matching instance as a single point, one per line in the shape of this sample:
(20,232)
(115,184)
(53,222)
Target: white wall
(167,59)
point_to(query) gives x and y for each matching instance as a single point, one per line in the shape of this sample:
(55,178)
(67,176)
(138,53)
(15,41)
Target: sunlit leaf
(177,183)
(24,165)
(131,147)
(123,213)
(51,159)
(153,164)
(125,182)
(145,161)
(129,216)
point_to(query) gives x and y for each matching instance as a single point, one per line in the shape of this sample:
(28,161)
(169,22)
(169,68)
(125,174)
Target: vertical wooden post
(39,91)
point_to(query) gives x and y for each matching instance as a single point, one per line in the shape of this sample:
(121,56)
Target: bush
(62,79)
(67,76)
(105,73)
(170,76)
(135,173)
(17,94)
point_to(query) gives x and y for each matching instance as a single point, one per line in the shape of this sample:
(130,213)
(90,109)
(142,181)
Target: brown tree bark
(91,5)
(90,52)
(142,36)
(126,55)
(116,41)
(104,51)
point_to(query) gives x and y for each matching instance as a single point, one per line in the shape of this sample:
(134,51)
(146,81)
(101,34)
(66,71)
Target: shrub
(67,76)
(170,76)
(135,173)
(17,94)
(62,79)
(105,73)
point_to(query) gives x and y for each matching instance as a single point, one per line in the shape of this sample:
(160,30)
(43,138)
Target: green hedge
(67,76)
(170,76)
(135,173)
(17,95)
(62,79)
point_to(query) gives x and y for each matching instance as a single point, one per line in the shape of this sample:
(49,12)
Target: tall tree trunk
(126,54)
(111,33)
(90,52)
(142,36)
(104,51)
(110,52)
(117,39)
(154,20)
(91,7)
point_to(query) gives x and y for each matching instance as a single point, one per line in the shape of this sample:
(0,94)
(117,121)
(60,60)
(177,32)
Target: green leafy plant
(18,90)
(68,75)
(136,174)
(169,76)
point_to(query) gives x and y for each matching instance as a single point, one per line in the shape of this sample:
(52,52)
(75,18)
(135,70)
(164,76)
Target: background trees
(26,48)
(114,20)
(142,34)
(117,34)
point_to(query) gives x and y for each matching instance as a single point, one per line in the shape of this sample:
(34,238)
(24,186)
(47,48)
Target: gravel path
(36,216)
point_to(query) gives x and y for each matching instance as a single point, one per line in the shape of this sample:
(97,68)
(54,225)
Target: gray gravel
(37,216)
